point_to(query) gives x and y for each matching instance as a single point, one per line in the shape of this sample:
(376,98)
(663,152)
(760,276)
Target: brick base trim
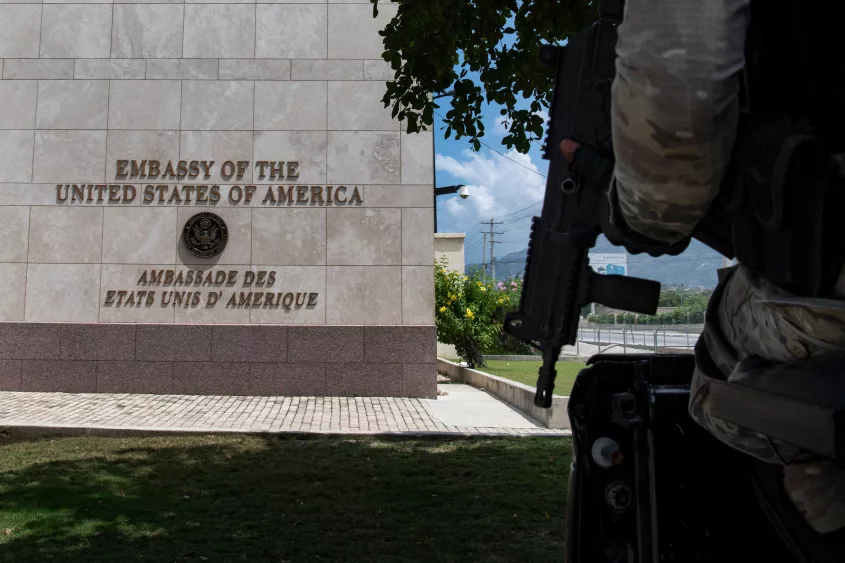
(387,361)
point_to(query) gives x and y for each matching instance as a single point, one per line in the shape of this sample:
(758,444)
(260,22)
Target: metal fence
(616,338)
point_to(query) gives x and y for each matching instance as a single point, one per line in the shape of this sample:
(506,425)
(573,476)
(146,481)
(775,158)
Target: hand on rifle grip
(569,147)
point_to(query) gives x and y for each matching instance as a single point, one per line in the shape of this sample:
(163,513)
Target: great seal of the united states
(205,235)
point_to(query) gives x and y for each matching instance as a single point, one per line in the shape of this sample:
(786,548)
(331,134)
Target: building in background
(451,247)
(605,263)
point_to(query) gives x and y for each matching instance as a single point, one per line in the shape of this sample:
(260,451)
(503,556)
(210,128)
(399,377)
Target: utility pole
(484,250)
(492,234)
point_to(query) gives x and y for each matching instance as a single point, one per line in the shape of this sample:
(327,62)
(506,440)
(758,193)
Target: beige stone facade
(91,90)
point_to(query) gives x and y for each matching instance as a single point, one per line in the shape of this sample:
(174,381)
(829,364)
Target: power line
(520,210)
(475,247)
(492,240)
(520,228)
(522,218)
(476,239)
(501,154)
(512,160)
(477,226)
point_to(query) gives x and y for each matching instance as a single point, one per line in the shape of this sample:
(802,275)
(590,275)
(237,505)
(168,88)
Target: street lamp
(460,189)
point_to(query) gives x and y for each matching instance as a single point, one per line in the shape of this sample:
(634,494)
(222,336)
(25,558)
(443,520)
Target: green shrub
(470,310)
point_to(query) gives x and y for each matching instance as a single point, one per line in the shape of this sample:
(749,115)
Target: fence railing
(637,338)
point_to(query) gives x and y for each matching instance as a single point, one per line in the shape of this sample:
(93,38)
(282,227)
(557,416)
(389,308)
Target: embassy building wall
(209,198)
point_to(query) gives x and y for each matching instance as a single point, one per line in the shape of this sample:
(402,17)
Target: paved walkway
(462,410)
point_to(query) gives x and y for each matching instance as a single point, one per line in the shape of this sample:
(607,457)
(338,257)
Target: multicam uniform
(674,114)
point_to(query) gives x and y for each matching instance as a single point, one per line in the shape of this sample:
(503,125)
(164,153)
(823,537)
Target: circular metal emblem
(205,235)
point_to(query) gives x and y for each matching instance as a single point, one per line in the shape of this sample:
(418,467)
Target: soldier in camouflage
(674,117)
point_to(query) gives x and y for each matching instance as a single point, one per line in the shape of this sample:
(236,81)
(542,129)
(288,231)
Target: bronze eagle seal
(205,235)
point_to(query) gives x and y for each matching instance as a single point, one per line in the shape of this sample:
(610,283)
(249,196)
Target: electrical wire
(501,154)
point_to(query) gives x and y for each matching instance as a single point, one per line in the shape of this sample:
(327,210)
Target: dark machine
(647,483)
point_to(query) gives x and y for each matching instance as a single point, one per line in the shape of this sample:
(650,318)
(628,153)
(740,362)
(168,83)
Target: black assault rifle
(558,280)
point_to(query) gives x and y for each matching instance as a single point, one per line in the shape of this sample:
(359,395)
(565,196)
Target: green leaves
(498,39)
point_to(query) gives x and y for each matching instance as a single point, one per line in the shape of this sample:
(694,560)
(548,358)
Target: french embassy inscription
(195,200)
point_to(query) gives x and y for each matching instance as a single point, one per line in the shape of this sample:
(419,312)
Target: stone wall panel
(365,295)
(77,301)
(14,228)
(290,106)
(68,156)
(295,237)
(144,105)
(72,104)
(217,106)
(66,236)
(16,148)
(109,69)
(35,69)
(363,157)
(364,237)
(225,31)
(75,31)
(99,99)
(147,31)
(19,36)
(357,106)
(291,31)
(18,108)
(353,32)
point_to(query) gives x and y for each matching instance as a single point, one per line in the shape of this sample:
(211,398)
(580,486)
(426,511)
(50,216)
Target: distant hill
(696,267)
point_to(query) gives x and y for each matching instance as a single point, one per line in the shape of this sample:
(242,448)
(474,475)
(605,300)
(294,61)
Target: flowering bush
(470,310)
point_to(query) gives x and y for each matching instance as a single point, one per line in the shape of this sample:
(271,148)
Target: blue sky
(499,188)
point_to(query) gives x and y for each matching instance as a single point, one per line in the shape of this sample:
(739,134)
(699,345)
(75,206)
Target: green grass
(526,372)
(282,498)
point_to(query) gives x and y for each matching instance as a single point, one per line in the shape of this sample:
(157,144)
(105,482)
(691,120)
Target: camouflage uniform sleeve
(674,109)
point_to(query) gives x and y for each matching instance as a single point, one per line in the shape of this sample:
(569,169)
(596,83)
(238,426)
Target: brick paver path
(353,415)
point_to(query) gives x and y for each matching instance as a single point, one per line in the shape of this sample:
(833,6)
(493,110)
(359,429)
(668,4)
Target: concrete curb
(516,394)
(32,431)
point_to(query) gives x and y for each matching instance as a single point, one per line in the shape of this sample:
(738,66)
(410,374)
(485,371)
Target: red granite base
(386,361)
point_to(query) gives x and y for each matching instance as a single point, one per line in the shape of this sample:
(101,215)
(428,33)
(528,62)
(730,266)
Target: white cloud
(501,126)
(497,187)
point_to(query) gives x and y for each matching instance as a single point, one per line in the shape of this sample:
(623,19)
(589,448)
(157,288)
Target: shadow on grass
(237,498)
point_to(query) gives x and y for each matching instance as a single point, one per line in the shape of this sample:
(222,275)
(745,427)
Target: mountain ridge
(696,267)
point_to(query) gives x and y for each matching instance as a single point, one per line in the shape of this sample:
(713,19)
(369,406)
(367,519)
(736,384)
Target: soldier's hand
(568,148)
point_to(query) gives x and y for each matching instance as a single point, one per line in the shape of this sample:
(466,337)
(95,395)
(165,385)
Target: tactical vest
(784,197)
(784,192)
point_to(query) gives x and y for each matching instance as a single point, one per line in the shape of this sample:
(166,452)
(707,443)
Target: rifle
(558,280)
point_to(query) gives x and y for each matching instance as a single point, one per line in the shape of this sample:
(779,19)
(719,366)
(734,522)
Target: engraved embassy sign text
(191,289)
(153,185)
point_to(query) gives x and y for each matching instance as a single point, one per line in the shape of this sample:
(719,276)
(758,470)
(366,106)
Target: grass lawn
(282,498)
(526,372)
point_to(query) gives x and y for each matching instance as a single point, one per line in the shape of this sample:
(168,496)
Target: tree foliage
(498,39)
(689,309)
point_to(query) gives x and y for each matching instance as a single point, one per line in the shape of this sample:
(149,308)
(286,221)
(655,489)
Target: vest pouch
(800,404)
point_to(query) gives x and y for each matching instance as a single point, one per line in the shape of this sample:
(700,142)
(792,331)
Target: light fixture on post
(460,189)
